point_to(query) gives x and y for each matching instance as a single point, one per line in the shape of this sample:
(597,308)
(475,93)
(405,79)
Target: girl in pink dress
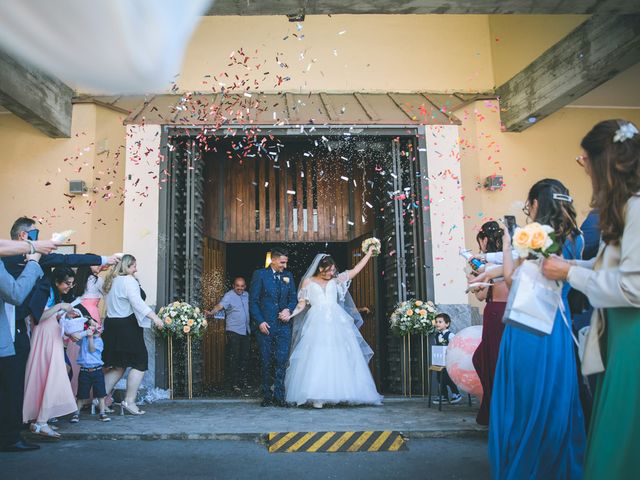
(88,286)
(47,392)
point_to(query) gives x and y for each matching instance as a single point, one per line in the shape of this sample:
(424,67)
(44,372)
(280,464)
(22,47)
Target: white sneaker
(455,398)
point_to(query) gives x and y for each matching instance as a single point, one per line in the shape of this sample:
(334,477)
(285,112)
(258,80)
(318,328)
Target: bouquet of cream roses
(535,239)
(181,319)
(372,243)
(413,316)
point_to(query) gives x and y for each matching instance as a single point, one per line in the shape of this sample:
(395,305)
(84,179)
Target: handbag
(533,300)
(591,357)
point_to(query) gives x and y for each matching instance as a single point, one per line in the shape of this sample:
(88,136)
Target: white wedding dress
(329,358)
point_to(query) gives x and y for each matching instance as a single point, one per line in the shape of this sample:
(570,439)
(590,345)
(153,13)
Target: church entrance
(231,198)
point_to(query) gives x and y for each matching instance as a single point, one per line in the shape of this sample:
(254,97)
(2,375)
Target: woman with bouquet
(329,357)
(536,426)
(127,316)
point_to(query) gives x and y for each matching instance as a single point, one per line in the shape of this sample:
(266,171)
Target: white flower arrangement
(372,243)
(413,316)
(285,279)
(625,132)
(181,319)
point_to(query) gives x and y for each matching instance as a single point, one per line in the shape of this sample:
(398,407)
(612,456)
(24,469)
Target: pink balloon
(459,360)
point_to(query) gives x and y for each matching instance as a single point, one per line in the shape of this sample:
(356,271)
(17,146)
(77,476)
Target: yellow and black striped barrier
(330,442)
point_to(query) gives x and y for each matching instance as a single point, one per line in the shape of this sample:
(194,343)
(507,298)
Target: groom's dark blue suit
(269,294)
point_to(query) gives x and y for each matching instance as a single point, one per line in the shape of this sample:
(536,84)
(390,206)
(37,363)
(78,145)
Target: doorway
(232,198)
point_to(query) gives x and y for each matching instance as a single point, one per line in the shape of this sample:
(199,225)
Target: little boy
(443,337)
(91,376)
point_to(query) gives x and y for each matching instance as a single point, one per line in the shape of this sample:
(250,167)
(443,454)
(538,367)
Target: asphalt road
(446,458)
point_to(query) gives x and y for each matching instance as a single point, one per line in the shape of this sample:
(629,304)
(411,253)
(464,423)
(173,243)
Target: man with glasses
(24,229)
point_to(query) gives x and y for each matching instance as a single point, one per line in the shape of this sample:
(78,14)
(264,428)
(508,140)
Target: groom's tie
(276,277)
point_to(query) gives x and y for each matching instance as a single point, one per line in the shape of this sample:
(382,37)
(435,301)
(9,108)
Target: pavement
(429,458)
(245,419)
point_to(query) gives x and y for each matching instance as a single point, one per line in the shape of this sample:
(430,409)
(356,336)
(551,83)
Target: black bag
(578,302)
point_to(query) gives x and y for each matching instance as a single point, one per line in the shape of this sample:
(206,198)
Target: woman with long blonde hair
(127,316)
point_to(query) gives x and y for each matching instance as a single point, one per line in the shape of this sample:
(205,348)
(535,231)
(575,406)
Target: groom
(272,298)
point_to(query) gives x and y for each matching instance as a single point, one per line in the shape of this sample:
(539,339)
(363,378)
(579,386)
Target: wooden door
(213,287)
(363,291)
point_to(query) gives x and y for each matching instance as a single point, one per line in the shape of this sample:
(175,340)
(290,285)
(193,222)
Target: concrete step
(245,419)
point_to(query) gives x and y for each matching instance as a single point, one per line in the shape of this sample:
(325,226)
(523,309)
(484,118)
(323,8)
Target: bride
(329,358)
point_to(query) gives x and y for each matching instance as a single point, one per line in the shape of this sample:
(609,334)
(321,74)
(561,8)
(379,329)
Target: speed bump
(330,442)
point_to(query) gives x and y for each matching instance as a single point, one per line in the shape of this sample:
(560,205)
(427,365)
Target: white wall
(141,208)
(445,212)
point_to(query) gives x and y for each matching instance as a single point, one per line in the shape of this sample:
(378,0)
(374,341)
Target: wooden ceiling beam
(488,7)
(36,97)
(593,53)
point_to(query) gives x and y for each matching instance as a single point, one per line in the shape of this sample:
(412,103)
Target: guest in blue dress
(536,428)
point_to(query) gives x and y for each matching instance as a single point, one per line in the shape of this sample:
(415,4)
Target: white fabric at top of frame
(110,46)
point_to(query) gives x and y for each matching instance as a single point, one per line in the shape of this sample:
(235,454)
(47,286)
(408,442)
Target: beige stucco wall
(344,53)
(36,170)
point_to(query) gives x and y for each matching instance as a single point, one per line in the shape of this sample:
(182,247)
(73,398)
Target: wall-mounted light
(494,182)
(267,260)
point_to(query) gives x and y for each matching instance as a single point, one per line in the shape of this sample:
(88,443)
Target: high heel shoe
(44,430)
(125,406)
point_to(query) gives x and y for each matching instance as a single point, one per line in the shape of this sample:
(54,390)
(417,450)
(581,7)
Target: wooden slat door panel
(260,195)
(363,291)
(213,287)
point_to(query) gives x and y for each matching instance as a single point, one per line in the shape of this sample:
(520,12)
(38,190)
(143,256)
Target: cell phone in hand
(510,223)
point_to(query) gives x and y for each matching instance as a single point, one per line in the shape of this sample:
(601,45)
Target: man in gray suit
(12,351)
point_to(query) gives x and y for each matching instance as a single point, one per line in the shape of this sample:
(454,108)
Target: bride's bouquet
(181,319)
(413,316)
(372,243)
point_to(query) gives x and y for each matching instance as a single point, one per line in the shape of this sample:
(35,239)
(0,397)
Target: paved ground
(432,458)
(246,420)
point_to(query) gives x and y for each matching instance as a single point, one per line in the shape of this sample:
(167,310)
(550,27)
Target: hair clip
(625,132)
(562,197)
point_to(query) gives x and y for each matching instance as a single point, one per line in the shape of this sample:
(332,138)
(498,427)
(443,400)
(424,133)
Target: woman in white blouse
(611,157)
(127,315)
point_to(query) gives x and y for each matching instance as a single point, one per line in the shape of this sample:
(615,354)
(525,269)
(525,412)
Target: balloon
(459,360)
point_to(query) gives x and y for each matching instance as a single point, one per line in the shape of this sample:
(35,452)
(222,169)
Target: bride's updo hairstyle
(326,263)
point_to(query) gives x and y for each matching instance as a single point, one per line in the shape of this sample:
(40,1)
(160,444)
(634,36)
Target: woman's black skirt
(124,344)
